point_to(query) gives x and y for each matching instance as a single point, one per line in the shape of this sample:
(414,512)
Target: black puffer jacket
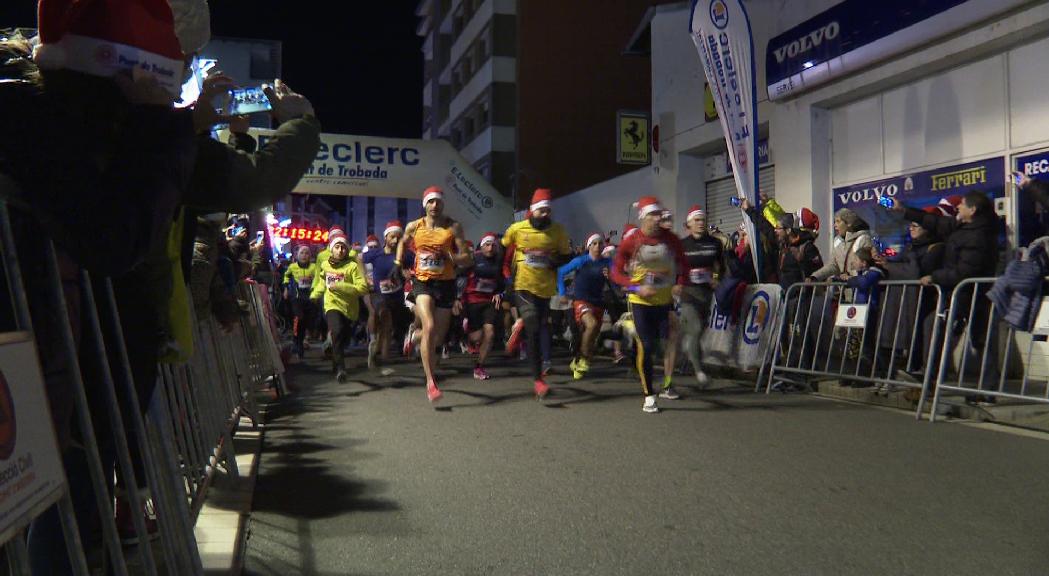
(798,260)
(971,248)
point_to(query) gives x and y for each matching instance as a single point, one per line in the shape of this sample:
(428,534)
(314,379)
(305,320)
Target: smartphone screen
(246,101)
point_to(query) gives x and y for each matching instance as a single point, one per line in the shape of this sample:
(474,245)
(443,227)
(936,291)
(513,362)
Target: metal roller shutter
(719,209)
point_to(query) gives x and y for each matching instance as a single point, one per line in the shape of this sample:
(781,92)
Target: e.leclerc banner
(349,165)
(721,31)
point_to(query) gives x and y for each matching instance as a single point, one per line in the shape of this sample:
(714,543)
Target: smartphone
(735,201)
(886,202)
(1018,177)
(244,101)
(259,236)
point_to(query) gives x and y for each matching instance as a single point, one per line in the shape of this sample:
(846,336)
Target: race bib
(332,279)
(486,285)
(537,259)
(430,262)
(700,275)
(305,283)
(657,279)
(387,287)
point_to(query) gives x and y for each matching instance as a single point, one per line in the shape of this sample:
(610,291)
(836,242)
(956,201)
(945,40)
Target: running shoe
(541,389)
(514,341)
(650,405)
(409,341)
(583,365)
(433,392)
(547,365)
(297,350)
(342,376)
(619,356)
(373,351)
(669,393)
(480,373)
(702,380)
(573,366)
(444,352)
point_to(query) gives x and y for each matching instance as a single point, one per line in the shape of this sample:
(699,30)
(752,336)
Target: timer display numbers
(302,234)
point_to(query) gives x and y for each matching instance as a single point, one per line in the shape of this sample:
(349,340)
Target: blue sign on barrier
(1032,219)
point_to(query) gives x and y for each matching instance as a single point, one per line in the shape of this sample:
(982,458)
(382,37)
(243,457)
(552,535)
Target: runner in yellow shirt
(540,246)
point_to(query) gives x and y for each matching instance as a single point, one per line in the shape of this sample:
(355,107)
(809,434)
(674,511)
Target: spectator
(798,256)
(852,233)
(865,282)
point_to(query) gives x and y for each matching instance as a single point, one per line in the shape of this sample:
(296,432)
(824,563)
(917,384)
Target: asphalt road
(367,478)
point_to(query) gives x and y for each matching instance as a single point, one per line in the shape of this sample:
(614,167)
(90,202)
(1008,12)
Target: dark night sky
(359,63)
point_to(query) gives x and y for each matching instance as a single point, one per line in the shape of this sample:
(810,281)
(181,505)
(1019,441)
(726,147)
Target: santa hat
(628,230)
(431,193)
(647,205)
(608,251)
(695,212)
(595,237)
(488,238)
(391,227)
(934,210)
(949,206)
(373,240)
(540,199)
(807,220)
(103,38)
(337,235)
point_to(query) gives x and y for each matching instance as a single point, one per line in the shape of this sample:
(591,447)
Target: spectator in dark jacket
(798,256)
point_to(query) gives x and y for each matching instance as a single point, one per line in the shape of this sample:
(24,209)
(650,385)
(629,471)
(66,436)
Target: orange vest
(433,246)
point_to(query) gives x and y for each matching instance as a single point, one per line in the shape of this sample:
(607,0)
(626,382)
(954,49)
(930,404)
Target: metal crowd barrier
(184,436)
(970,363)
(890,348)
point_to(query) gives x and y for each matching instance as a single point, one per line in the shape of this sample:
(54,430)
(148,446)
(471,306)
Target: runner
(370,245)
(298,283)
(387,295)
(706,264)
(588,290)
(484,297)
(539,247)
(340,283)
(439,247)
(649,264)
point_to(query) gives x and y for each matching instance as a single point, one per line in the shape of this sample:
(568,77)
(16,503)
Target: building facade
(524,95)
(950,99)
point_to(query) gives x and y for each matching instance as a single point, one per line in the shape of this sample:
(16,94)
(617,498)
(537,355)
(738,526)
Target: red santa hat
(595,237)
(807,220)
(391,227)
(647,205)
(695,212)
(540,199)
(372,240)
(431,193)
(628,230)
(608,251)
(337,235)
(488,238)
(105,37)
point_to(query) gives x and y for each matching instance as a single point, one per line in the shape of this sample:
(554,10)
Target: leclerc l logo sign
(721,32)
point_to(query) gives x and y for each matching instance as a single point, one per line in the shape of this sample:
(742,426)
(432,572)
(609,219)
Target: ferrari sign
(633,142)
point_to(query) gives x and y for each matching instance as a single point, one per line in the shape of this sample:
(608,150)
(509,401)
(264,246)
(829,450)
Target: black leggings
(341,329)
(302,313)
(650,323)
(535,312)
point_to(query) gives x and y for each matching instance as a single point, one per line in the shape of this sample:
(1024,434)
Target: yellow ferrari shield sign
(634,142)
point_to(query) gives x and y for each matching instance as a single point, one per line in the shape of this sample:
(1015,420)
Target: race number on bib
(700,275)
(657,279)
(332,279)
(537,259)
(430,262)
(486,285)
(387,287)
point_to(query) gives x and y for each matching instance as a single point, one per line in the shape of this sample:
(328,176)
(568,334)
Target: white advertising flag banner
(31,474)
(402,168)
(721,32)
(744,342)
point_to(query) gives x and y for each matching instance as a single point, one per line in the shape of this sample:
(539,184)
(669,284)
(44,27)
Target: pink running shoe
(432,392)
(409,341)
(514,341)
(480,373)
(541,389)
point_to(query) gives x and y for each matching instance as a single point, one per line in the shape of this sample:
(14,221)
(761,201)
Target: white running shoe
(650,405)
(373,351)
(444,352)
(669,393)
(702,379)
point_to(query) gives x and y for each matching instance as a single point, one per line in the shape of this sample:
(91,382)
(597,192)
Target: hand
(843,277)
(926,281)
(239,124)
(457,308)
(676,291)
(395,273)
(764,197)
(646,291)
(810,280)
(497,300)
(1024,179)
(205,116)
(287,105)
(746,205)
(143,89)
